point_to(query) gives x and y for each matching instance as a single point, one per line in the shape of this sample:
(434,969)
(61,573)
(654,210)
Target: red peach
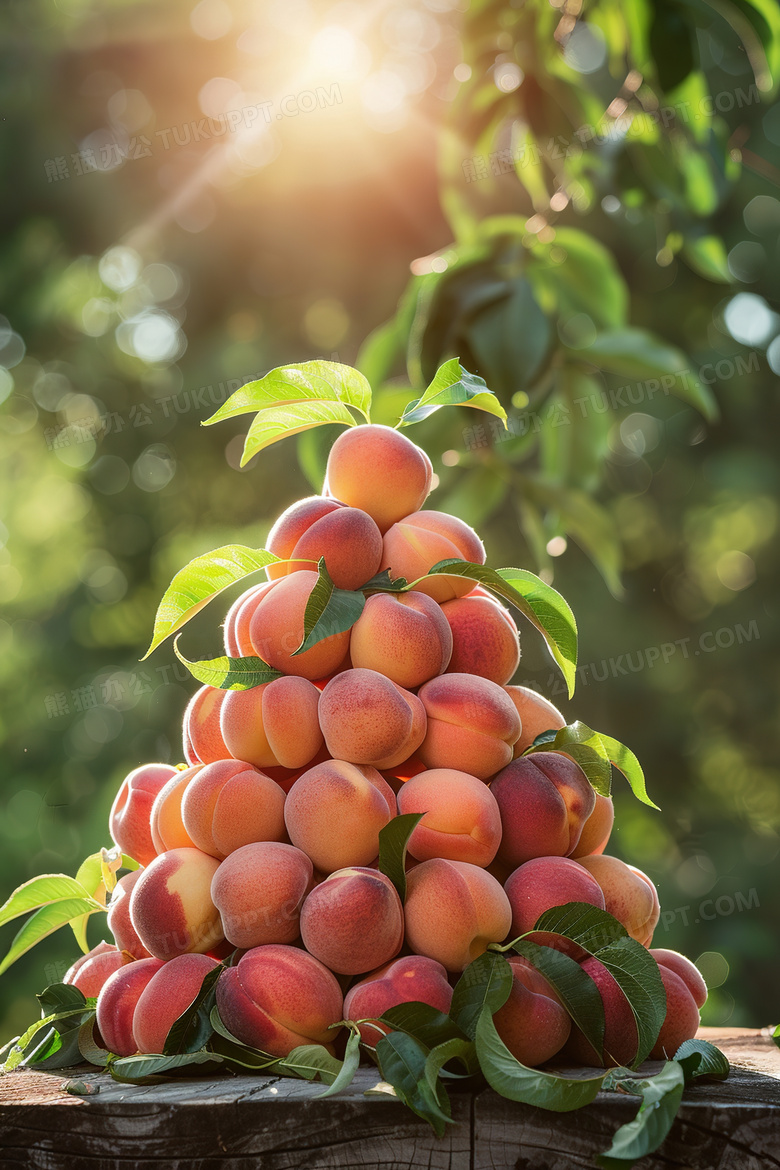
(276,630)
(201,729)
(532,1023)
(118,918)
(545,800)
(629,895)
(485,640)
(407,980)
(681,1022)
(259,891)
(544,882)
(685,970)
(171,907)
(353,921)
(168,994)
(116,1004)
(621,1039)
(132,807)
(91,971)
(347,538)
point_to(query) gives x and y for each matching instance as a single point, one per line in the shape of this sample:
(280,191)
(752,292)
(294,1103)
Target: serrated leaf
(452,385)
(44,922)
(328,611)
(312,383)
(402,1061)
(393,842)
(192,1029)
(661,1096)
(486,983)
(278,422)
(229,674)
(200,581)
(425,1023)
(540,603)
(142,1070)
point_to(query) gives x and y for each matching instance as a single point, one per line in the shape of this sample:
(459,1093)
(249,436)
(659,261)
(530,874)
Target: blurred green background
(161,245)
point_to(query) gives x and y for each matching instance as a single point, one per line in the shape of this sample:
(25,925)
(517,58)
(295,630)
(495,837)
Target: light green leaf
(311,1062)
(452,385)
(626,762)
(42,891)
(229,674)
(328,611)
(707,256)
(278,422)
(311,383)
(661,1096)
(349,1067)
(200,581)
(44,922)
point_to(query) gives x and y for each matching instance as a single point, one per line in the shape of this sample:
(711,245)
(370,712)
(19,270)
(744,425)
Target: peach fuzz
(537,714)
(259,891)
(532,1023)
(403,636)
(169,992)
(273,725)
(485,640)
(419,541)
(462,821)
(347,538)
(236,631)
(278,997)
(544,800)
(353,921)
(276,630)
(597,829)
(682,1019)
(685,970)
(629,895)
(131,811)
(379,470)
(412,979)
(201,729)
(453,910)
(334,812)
(118,917)
(116,1004)
(472,725)
(91,971)
(368,719)
(621,1039)
(544,882)
(171,907)
(230,804)
(167,827)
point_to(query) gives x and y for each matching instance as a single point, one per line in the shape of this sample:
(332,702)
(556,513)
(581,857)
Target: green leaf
(43,891)
(453,1049)
(710,1062)
(584,745)
(311,1062)
(574,987)
(190,1031)
(486,983)
(588,280)
(89,1049)
(349,1067)
(60,997)
(90,876)
(383,583)
(626,762)
(229,674)
(312,383)
(402,1062)
(707,256)
(21,1050)
(661,1096)
(143,1070)
(328,611)
(540,603)
(277,423)
(393,841)
(517,1082)
(44,922)
(425,1023)
(452,385)
(586,925)
(200,581)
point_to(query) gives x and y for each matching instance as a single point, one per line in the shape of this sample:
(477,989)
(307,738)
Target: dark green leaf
(486,983)
(89,1049)
(636,972)
(328,611)
(190,1031)
(455,1049)
(61,997)
(393,841)
(711,1061)
(383,583)
(402,1062)
(573,986)
(229,674)
(142,1070)
(425,1023)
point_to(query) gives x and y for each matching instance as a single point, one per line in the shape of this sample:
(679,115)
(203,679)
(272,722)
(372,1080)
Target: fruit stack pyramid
(264,845)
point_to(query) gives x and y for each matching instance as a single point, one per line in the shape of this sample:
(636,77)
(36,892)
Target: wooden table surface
(243,1122)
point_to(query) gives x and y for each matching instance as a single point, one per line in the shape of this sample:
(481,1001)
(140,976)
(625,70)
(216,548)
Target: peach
(237,641)
(201,730)
(353,921)
(347,538)
(629,895)
(276,630)
(131,811)
(472,725)
(273,725)
(167,826)
(91,971)
(597,828)
(335,811)
(116,1004)
(485,640)
(171,907)
(379,470)
(537,714)
(230,804)
(403,636)
(532,1023)
(682,1016)
(278,997)
(419,541)
(411,979)
(453,911)
(621,1039)
(169,992)
(118,918)
(368,719)
(544,800)
(544,882)
(462,821)
(259,891)
(685,970)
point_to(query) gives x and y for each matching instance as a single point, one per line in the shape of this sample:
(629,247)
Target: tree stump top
(242,1122)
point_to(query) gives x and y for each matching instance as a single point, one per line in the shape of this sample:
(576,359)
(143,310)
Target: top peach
(380,471)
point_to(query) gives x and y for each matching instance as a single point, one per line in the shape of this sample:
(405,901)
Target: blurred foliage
(141,283)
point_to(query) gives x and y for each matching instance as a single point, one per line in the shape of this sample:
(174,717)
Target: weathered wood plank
(235,1123)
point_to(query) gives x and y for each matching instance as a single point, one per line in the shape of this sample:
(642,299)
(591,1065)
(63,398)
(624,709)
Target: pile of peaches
(264,845)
